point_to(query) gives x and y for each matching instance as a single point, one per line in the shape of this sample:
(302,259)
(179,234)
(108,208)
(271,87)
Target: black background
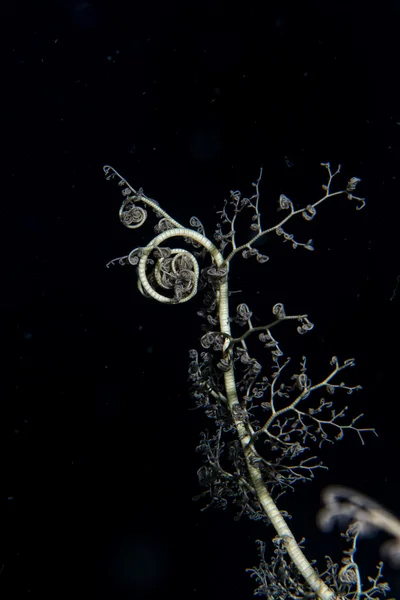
(187,100)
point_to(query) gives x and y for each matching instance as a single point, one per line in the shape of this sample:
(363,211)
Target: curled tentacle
(174,274)
(131,215)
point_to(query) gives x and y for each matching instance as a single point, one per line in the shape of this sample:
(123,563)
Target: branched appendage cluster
(276,409)
(279,578)
(344,505)
(262,423)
